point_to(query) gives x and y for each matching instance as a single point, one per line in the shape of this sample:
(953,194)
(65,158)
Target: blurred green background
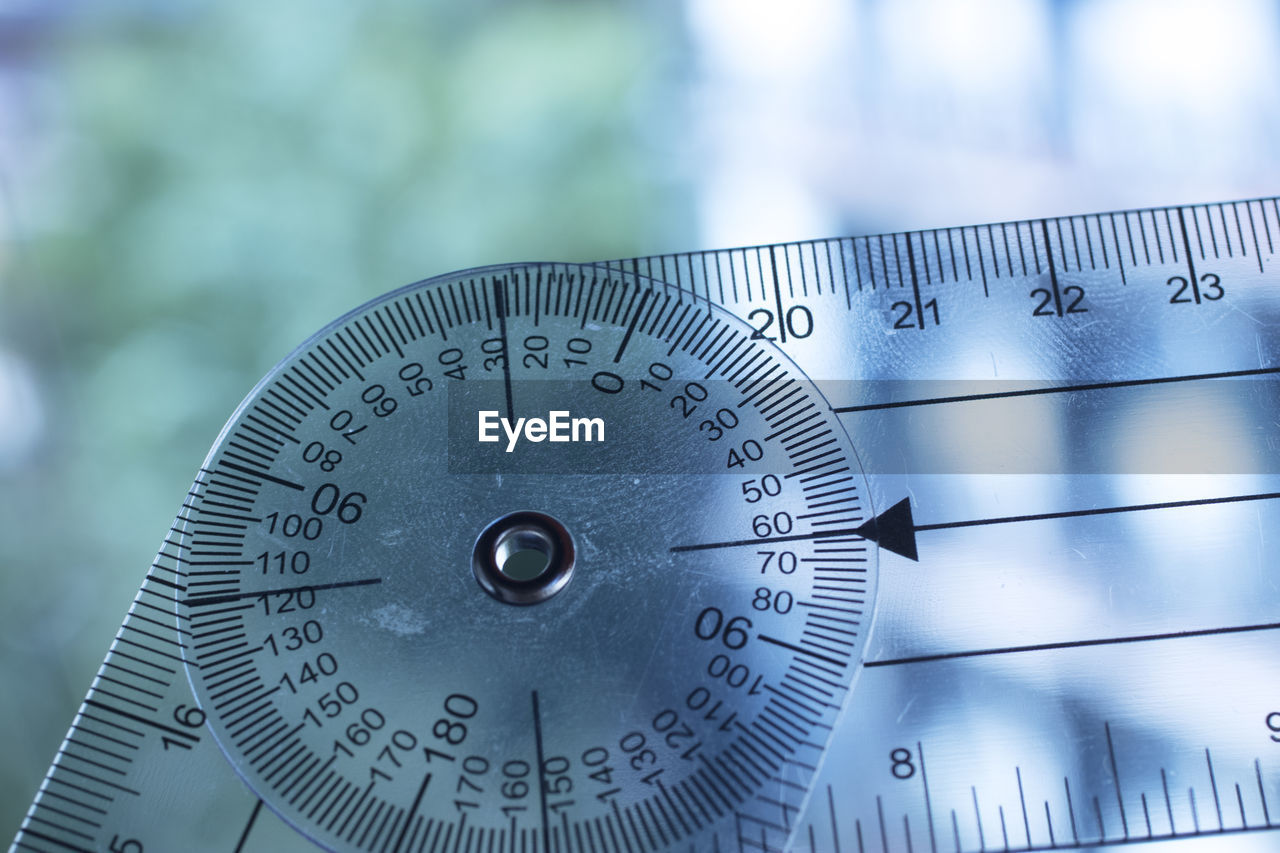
(216,181)
(189,188)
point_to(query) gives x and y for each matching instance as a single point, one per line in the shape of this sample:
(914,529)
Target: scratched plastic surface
(1091,678)
(1055,746)
(1097,735)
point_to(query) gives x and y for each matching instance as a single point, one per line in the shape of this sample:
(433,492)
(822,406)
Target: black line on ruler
(979,522)
(1053,269)
(798,537)
(777,293)
(1074,644)
(206,600)
(188,735)
(928,803)
(253,816)
(800,650)
(1022,802)
(542,792)
(262,476)
(1213,783)
(1059,389)
(31,832)
(915,282)
(1008,255)
(500,308)
(1115,774)
(1119,251)
(982,263)
(631,327)
(413,811)
(1108,510)
(1253,230)
(1191,267)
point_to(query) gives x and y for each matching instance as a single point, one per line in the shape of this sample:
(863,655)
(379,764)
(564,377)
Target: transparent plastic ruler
(1061,444)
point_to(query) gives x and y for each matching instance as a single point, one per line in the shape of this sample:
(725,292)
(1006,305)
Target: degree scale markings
(277,749)
(1133,246)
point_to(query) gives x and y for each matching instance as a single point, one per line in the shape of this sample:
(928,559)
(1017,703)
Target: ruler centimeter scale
(1068,430)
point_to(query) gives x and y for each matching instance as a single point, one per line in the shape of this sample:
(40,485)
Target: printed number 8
(902,766)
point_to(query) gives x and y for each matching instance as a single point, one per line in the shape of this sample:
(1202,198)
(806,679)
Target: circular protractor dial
(530,558)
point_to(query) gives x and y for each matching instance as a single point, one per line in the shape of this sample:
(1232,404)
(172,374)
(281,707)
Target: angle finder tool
(586,558)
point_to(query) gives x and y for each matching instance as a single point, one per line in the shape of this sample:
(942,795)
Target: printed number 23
(1210,289)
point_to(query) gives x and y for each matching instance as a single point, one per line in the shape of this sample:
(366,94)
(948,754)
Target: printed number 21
(906,317)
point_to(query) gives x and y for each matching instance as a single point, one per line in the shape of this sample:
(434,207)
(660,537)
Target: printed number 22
(1045,309)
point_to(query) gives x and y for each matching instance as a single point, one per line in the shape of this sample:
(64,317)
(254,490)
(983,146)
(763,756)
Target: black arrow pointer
(895,530)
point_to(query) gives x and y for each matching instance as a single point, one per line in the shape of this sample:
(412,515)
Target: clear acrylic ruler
(1070,434)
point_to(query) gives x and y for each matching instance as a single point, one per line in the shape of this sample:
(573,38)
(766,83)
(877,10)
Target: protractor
(568,558)
(456,575)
